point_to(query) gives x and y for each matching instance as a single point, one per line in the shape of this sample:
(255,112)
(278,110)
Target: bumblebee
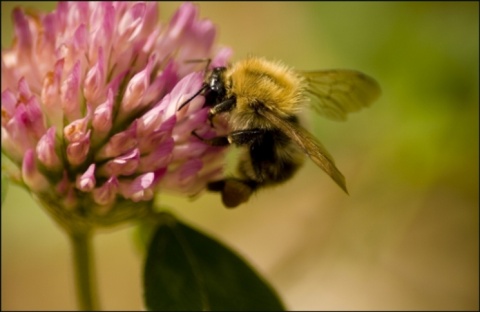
(261,100)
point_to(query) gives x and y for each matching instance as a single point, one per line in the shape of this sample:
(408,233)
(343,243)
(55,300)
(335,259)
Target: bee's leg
(243,137)
(240,137)
(224,106)
(221,107)
(216,141)
(234,191)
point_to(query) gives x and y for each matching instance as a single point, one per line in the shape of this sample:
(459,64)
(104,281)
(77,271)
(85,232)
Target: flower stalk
(86,288)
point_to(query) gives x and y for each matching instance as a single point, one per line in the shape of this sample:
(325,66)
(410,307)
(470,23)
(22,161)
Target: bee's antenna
(208,61)
(204,87)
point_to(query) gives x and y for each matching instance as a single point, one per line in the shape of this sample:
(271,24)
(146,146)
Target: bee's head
(216,80)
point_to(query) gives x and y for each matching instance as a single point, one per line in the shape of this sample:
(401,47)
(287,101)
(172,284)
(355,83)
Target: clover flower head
(90,97)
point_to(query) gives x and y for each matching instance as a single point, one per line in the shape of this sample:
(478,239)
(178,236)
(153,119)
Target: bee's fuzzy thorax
(275,86)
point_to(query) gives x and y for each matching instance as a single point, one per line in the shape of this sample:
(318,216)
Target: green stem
(84,270)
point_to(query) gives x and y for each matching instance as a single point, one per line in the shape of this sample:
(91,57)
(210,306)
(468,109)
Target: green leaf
(142,234)
(188,270)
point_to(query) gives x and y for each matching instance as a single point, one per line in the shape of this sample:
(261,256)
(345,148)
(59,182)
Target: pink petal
(164,82)
(119,143)
(102,118)
(189,169)
(86,182)
(94,84)
(182,19)
(20,129)
(10,74)
(50,25)
(35,117)
(70,92)
(30,174)
(102,22)
(10,147)
(50,96)
(126,164)
(141,188)
(105,194)
(191,149)
(61,14)
(222,57)
(182,178)
(9,101)
(155,120)
(24,92)
(77,13)
(46,150)
(76,130)
(182,91)
(131,23)
(77,151)
(80,38)
(190,123)
(22,30)
(150,17)
(136,88)
(196,44)
(114,84)
(148,142)
(159,158)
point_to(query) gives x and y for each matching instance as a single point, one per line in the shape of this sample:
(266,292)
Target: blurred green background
(407,237)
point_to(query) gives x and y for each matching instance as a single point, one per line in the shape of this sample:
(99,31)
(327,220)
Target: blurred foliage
(425,56)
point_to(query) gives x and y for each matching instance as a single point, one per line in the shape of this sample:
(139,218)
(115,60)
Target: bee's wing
(310,145)
(334,93)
